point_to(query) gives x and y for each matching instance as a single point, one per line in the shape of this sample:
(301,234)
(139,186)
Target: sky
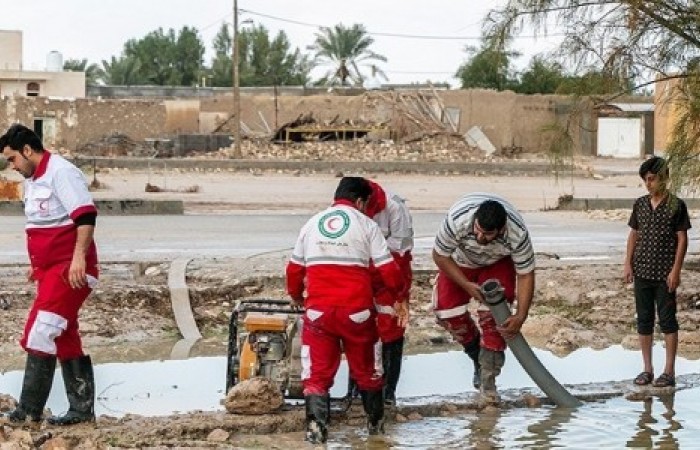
(98,29)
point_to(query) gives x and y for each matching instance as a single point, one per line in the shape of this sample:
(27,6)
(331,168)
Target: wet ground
(143,376)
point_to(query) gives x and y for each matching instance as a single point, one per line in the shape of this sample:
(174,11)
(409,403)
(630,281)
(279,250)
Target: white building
(52,82)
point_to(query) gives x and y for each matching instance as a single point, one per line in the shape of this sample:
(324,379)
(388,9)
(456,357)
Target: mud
(575,306)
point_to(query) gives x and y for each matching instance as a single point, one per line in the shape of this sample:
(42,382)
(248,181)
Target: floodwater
(162,387)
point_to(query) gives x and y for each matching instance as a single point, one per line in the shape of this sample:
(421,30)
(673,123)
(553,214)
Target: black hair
(655,165)
(17,136)
(491,215)
(353,188)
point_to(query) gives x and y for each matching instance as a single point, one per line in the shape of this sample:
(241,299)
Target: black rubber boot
(38,378)
(353,390)
(80,388)
(373,402)
(392,354)
(318,413)
(472,350)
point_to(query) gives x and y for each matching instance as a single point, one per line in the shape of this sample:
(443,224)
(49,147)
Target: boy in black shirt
(656,248)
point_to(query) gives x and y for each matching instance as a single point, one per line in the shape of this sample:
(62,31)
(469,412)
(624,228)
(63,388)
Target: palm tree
(93,72)
(344,50)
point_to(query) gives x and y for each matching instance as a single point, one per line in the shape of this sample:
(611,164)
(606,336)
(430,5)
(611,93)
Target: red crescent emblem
(43,205)
(330,224)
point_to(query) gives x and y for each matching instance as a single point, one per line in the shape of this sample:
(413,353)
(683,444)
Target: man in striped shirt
(482,237)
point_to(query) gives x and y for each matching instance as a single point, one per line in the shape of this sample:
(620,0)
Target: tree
(93,73)
(263,62)
(221,66)
(344,50)
(168,58)
(541,77)
(488,68)
(122,71)
(625,40)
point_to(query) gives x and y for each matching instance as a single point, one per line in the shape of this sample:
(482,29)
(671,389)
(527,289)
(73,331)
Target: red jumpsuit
(54,196)
(392,215)
(331,261)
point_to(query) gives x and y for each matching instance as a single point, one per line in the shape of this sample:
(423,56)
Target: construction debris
(307,128)
(186,190)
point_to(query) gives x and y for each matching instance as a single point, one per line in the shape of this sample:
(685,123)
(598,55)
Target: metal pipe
(493,295)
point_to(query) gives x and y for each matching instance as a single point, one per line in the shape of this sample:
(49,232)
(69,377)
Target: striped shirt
(456,236)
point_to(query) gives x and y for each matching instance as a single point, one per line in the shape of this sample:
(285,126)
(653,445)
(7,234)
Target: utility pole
(237,154)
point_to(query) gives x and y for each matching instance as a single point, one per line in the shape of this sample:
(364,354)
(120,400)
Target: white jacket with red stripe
(332,256)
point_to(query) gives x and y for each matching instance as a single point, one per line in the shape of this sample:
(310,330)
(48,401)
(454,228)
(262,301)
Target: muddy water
(161,387)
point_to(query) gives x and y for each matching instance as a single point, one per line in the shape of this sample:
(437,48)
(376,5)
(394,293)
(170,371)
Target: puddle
(161,387)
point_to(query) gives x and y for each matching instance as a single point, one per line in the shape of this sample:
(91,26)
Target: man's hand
(511,327)
(673,280)
(474,291)
(402,313)
(30,274)
(76,274)
(297,302)
(627,273)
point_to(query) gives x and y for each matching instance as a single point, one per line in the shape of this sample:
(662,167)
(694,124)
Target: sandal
(665,380)
(644,378)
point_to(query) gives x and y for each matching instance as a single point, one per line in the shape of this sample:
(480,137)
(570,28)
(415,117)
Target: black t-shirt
(655,250)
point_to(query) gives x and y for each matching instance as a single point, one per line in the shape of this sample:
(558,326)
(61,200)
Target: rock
(218,435)
(152,271)
(531,401)
(414,416)
(57,443)
(254,396)
(400,418)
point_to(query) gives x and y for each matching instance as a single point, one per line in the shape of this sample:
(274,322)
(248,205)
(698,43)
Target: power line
(385,34)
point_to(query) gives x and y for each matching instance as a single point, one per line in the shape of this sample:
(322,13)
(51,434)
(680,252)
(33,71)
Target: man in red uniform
(392,215)
(331,262)
(63,262)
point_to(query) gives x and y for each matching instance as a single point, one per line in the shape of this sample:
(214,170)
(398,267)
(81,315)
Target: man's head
(354,189)
(489,221)
(654,172)
(22,148)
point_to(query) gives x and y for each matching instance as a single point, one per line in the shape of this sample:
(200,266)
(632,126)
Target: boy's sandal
(665,380)
(644,378)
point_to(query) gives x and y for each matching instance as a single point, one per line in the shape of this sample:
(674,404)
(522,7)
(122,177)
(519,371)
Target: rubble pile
(115,144)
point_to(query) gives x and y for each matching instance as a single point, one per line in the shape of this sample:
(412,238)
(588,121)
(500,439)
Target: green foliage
(263,62)
(343,51)
(123,71)
(541,77)
(93,72)
(615,43)
(488,68)
(684,148)
(166,58)
(221,67)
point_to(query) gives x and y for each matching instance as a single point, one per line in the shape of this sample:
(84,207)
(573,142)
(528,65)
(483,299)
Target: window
(32,89)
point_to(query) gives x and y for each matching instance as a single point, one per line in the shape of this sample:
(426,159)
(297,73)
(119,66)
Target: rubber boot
(392,354)
(373,402)
(318,413)
(491,363)
(472,349)
(353,390)
(38,378)
(79,379)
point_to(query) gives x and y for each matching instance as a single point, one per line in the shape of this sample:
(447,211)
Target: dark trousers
(651,298)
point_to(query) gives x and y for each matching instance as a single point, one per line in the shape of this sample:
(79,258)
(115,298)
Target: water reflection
(659,431)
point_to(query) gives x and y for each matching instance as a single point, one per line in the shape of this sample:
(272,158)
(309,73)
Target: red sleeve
(295,281)
(404,262)
(393,280)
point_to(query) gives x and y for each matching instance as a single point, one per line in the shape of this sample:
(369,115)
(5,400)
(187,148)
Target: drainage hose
(493,295)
